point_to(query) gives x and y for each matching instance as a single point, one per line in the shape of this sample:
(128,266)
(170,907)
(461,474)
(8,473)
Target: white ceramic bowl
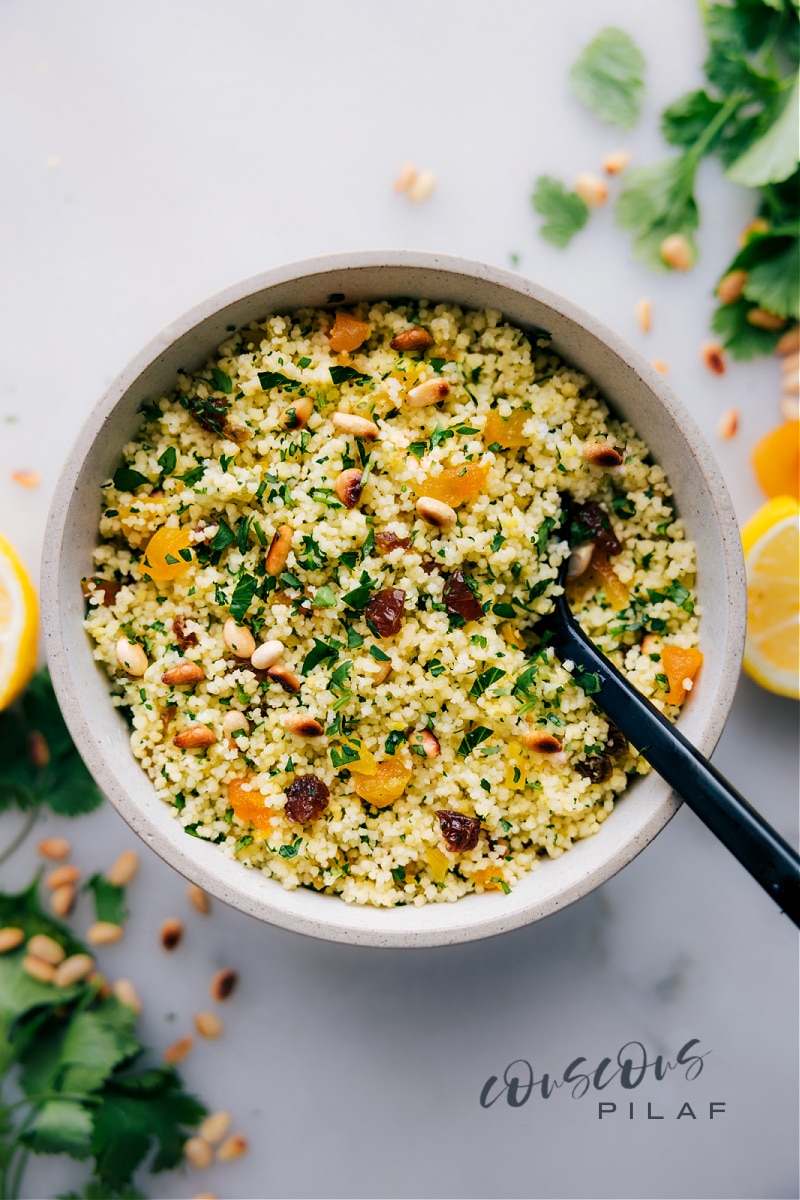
(633,388)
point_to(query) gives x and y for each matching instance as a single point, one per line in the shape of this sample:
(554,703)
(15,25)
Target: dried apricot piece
(438,864)
(776,460)
(168,554)
(601,574)
(454,485)
(249,804)
(347,333)
(506,431)
(490,878)
(386,785)
(679,664)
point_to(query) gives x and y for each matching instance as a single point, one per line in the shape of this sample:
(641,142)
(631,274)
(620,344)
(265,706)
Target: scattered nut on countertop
(208,1024)
(199,900)
(178,1051)
(123,870)
(215,1126)
(224,983)
(171,933)
(54,848)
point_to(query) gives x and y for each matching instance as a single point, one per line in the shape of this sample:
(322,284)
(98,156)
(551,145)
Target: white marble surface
(153,153)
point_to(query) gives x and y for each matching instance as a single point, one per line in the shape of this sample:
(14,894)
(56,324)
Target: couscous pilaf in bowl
(325,544)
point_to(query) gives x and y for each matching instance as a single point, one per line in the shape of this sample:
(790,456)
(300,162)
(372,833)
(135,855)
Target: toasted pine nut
(178,1050)
(591,190)
(208,1024)
(431,391)
(196,737)
(215,1126)
(643,315)
(171,933)
(223,983)
(47,949)
(103,933)
(73,970)
(790,363)
(422,187)
(436,512)
(286,678)
(37,968)
(711,353)
(199,899)
(69,873)
(542,743)
(301,726)
(124,870)
(131,657)
(354,426)
(731,286)
(279,549)
(197,1151)
(651,643)
(238,639)
(383,672)
(791,382)
(236,432)
(424,743)
(790,408)
(296,415)
(728,424)
(789,343)
(38,749)
(62,900)
(660,366)
(579,559)
(183,673)
(676,251)
(601,454)
(232,722)
(616,161)
(10,938)
(757,225)
(233,1147)
(267,654)
(415,338)
(407,176)
(761,319)
(127,994)
(54,848)
(348,487)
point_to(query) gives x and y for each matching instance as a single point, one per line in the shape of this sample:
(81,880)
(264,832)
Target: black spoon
(770,860)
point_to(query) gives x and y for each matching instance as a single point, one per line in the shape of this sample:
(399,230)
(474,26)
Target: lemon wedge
(771,543)
(19,625)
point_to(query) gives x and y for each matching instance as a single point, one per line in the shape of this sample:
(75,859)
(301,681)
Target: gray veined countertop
(155,153)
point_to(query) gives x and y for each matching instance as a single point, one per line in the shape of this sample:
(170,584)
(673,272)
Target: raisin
(387,541)
(459,831)
(616,742)
(591,523)
(459,598)
(167,715)
(209,412)
(183,638)
(597,769)
(384,612)
(107,588)
(307,797)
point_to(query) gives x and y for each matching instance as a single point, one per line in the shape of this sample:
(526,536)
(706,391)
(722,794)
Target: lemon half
(771,543)
(19,625)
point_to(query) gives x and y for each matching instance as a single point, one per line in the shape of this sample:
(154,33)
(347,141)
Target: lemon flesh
(19,625)
(771,542)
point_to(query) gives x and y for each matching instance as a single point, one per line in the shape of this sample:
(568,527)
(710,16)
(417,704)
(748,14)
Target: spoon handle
(759,848)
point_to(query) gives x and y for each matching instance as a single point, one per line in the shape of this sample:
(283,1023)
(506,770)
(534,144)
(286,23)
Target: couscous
(321,565)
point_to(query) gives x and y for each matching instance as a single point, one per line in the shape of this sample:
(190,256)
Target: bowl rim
(189,864)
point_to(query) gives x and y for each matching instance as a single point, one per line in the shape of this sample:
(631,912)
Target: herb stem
(712,129)
(15,843)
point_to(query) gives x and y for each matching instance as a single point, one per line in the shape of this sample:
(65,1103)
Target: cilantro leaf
(685,120)
(109,900)
(223,537)
(60,1127)
(658,201)
(740,337)
(274,379)
(221,380)
(473,739)
(168,460)
(128,480)
(242,596)
(97,1040)
(485,680)
(320,652)
(773,283)
(347,374)
(564,212)
(607,78)
(358,598)
(772,157)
